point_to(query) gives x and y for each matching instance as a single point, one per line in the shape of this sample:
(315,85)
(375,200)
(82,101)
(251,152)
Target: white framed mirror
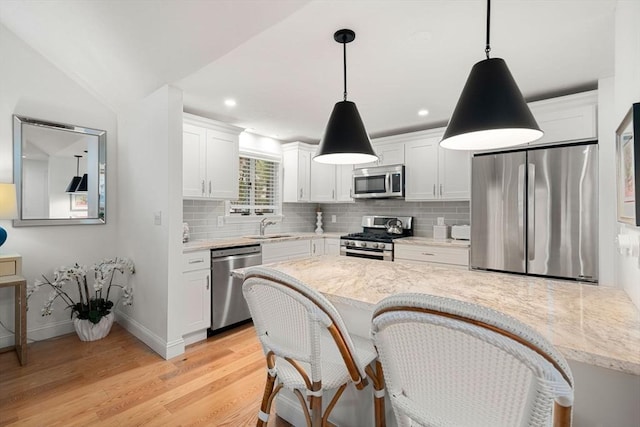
(60,173)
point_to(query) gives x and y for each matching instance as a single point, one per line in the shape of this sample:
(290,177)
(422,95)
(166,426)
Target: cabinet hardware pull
(434,190)
(428,254)
(209,187)
(441,189)
(301,193)
(333,194)
(208,282)
(203,186)
(195,261)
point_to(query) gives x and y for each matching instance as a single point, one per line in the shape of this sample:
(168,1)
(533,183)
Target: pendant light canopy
(491,112)
(345,139)
(76,180)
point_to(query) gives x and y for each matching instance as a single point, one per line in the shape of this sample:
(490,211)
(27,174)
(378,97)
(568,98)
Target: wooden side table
(10,270)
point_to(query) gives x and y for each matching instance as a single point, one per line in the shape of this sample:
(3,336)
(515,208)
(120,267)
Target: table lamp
(8,206)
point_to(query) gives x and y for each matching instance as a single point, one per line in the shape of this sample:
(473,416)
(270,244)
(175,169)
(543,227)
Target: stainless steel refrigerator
(535,211)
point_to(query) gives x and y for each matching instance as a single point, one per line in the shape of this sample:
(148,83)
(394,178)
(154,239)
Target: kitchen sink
(268,236)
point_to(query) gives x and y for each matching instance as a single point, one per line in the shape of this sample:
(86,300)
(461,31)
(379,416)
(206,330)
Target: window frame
(277,215)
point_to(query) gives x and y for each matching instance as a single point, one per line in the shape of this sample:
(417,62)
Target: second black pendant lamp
(76,180)
(491,112)
(345,139)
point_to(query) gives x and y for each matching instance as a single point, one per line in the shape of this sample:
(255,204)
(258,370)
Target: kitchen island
(596,328)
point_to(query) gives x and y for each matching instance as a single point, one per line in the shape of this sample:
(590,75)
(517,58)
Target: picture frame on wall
(78,202)
(628,167)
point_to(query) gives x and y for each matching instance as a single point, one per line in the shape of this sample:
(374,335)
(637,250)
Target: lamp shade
(82,185)
(345,139)
(491,112)
(73,185)
(8,201)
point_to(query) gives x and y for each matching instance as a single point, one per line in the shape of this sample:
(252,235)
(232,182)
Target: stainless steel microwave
(378,182)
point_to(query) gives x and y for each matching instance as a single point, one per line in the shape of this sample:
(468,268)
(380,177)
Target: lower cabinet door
(197,299)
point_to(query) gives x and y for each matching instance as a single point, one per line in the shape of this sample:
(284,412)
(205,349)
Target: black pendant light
(345,139)
(76,180)
(491,112)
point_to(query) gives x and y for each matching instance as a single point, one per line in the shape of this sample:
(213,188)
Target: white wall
(150,177)
(32,86)
(627,91)
(607,182)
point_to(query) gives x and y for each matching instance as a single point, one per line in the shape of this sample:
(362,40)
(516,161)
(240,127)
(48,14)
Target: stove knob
(379,245)
(364,244)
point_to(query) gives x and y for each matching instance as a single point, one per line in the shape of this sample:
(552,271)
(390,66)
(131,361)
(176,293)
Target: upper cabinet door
(344,183)
(194,160)
(454,174)
(390,153)
(210,161)
(421,169)
(222,165)
(323,182)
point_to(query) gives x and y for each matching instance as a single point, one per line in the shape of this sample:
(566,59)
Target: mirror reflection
(59,171)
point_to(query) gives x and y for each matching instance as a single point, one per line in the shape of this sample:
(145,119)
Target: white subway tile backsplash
(202,217)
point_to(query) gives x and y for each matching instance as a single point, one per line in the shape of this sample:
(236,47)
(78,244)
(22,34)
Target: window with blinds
(258,188)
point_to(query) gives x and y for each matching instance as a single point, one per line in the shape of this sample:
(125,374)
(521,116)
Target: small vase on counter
(319,229)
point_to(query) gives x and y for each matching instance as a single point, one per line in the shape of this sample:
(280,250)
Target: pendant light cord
(344,62)
(487,47)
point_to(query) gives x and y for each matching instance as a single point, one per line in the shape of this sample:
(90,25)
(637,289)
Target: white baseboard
(194,337)
(40,333)
(165,349)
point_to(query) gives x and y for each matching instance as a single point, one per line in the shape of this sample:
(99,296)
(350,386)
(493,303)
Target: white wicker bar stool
(451,363)
(307,346)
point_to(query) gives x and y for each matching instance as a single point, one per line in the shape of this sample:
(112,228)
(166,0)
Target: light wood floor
(119,381)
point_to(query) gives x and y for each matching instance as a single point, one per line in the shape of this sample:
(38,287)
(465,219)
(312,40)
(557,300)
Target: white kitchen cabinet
(433,172)
(344,183)
(566,118)
(305,180)
(421,169)
(317,246)
(454,174)
(196,287)
(296,164)
(390,151)
(323,182)
(438,254)
(286,250)
(210,159)
(331,246)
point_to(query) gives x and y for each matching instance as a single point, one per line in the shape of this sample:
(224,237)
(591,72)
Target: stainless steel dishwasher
(227,302)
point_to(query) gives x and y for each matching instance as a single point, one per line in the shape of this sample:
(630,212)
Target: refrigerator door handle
(521,193)
(531,212)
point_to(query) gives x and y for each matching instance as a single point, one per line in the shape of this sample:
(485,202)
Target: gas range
(375,241)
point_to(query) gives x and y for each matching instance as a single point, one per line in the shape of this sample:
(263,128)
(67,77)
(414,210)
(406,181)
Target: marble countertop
(591,324)
(432,242)
(229,242)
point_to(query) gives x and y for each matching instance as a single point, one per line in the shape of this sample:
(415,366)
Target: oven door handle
(365,252)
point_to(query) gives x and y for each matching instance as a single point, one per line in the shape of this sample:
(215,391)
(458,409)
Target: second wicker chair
(450,363)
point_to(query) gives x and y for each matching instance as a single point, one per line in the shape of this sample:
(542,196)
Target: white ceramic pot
(88,331)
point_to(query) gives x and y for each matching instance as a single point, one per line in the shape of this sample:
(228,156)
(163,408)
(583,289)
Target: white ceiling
(279,61)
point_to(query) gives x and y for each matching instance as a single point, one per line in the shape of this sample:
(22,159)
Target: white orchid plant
(91,306)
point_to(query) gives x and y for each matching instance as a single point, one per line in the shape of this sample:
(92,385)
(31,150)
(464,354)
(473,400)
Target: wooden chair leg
(327,412)
(377,378)
(315,403)
(561,415)
(267,398)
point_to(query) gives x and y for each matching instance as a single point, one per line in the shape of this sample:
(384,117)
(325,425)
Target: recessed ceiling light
(275,135)
(230,102)
(423,112)
(249,130)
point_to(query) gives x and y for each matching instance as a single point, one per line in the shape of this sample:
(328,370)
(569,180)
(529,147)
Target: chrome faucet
(264,223)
